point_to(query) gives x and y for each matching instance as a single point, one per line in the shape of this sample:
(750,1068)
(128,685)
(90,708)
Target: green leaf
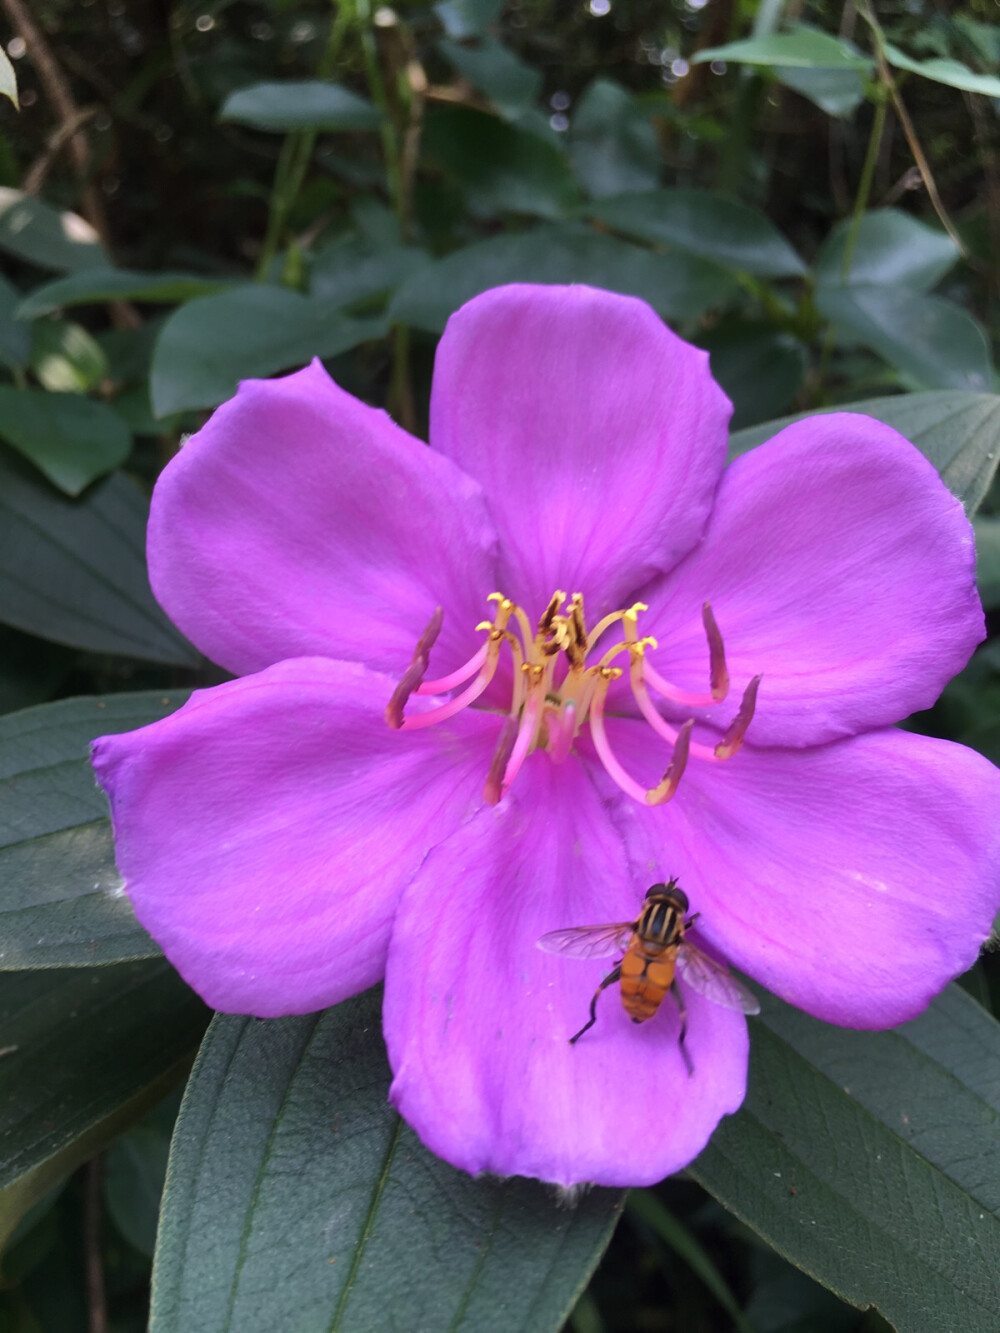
(612,145)
(678,286)
(837,92)
(351,272)
(950,72)
(958,432)
(892,249)
(701,223)
(61,899)
(207,346)
(72,440)
(15,336)
(988,561)
(467,18)
(65,358)
(8,79)
(500,168)
(75,570)
(760,368)
(306,104)
(287,1158)
(867,1158)
(505,79)
(86,1052)
(45,236)
(805,47)
(117,284)
(135,1167)
(937,344)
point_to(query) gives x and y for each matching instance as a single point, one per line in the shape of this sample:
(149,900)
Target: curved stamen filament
(554,692)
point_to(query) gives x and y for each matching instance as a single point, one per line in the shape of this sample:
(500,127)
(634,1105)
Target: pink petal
(477,1018)
(854,879)
(298,521)
(597,434)
(839,566)
(266,830)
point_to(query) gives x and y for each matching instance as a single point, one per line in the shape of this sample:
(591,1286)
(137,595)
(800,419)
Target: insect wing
(588,941)
(715,982)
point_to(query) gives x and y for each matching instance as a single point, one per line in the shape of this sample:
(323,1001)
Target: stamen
(445,683)
(607,756)
(675,769)
(732,741)
(717,670)
(494,788)
(562,730)
(414,673)
(467,696)
(525,735)
(637,666)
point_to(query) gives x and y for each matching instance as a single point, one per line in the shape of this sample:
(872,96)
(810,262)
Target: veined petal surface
(301,522)
(840,567)
(266,831)
(855,880)
(597,434)
(477,1018)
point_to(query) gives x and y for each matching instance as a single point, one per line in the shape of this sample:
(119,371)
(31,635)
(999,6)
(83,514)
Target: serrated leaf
(71,439)
(612,144)
(306,104)
(958,432)
(61,899)
(500,168)
(75,570)
(805,47)
(677,286)
(701,223)
(207,346)
(891,249)
(937,344)
(90,1050)
(117,284)
(43,235)
(950,72)
(288,1158)
(867,1158)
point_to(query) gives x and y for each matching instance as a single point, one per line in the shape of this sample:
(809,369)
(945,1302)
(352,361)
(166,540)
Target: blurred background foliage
(196,192)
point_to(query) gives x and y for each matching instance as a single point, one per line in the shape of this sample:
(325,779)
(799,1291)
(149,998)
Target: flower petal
(854,879)
(839,566)
(266,830)
(298,521)
(477,1018)
(597,434)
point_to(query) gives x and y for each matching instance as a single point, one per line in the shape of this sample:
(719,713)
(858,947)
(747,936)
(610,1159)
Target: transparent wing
(714,981)
(588,941)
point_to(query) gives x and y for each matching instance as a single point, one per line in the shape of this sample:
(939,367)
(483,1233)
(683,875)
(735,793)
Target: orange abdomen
(647,975)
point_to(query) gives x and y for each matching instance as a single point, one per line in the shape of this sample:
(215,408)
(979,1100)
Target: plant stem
(296,154)
(865,183)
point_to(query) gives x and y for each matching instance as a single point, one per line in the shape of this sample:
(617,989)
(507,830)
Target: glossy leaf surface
(75,570)
(61,899)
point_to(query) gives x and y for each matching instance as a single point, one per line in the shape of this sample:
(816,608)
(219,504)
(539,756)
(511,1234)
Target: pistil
(555,693)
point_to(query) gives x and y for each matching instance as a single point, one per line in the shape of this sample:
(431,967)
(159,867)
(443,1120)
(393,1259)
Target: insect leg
(682,1011)
(609,980)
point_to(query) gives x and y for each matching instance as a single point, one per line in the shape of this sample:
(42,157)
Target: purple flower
(288,848)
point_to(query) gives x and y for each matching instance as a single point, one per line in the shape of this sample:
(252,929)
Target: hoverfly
(654,952)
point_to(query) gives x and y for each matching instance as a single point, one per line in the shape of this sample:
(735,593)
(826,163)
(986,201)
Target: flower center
(556,693)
